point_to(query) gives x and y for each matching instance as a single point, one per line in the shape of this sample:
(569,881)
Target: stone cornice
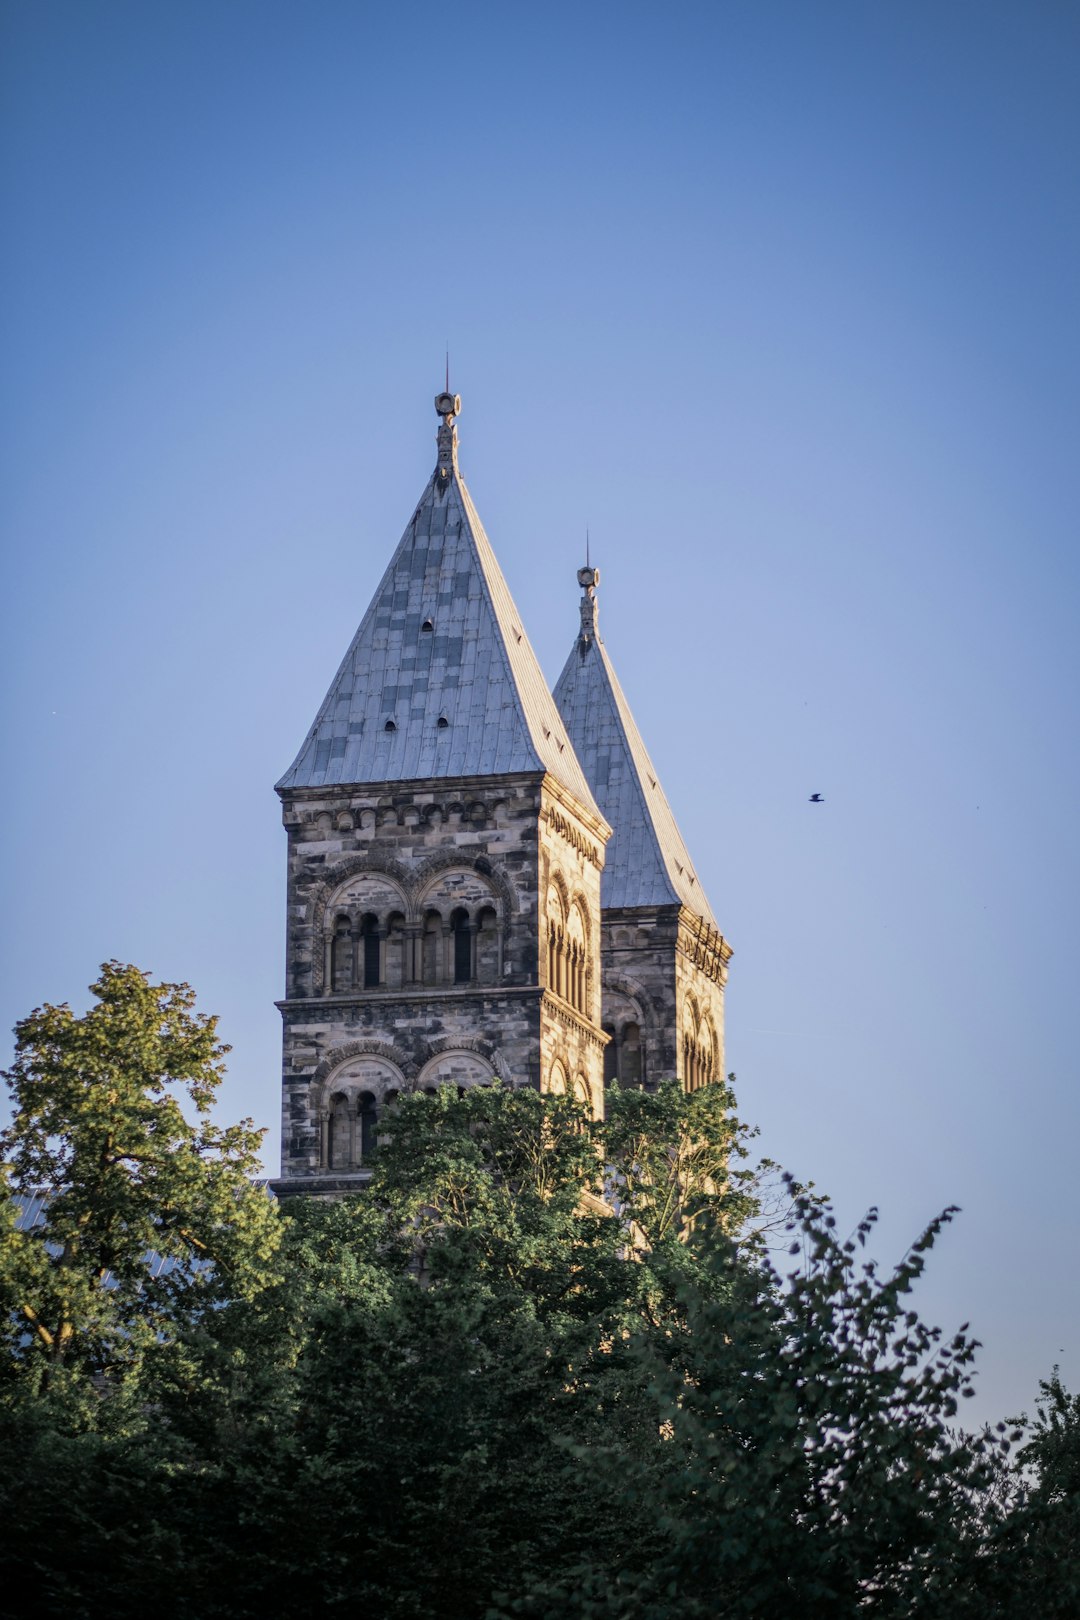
(566,828)
(570,1018)
(705,946)
(367,795)
(410,994)
(593,822)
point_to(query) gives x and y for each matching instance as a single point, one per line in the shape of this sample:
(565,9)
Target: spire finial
(448,406)
(588,578)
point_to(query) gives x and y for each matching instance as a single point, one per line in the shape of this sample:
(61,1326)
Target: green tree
(806,1461)
(674,1158)
(540,1366)
(148,1215)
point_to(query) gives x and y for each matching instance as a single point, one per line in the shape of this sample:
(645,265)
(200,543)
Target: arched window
(432,948)
(338,1144)
(463,946)
(341,956)
(487,946)
(365,1118)
(577,957)
(611,1057)
(395,975)
(709,1060)
(369,934)
(555,919)
(630,1056)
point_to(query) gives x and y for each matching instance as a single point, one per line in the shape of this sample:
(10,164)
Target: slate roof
(473,668)
(647,862)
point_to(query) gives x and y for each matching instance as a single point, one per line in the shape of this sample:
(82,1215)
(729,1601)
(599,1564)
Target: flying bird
(815,798)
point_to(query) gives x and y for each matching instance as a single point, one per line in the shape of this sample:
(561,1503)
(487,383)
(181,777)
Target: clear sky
(779,300)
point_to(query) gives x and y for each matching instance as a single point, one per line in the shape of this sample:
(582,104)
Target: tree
(806,1462)
(476,1389)
(147,1213)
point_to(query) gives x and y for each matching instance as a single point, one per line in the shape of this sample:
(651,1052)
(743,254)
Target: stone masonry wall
(571,858)
(664,972)
(417,951)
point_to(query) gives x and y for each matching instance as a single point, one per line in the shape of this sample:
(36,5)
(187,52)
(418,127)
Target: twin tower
(485,879)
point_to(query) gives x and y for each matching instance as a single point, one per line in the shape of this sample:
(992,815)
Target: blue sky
(780,301)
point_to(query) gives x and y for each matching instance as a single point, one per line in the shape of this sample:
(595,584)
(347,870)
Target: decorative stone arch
(700,1048)
(691,1016)
(334,879)
(557,915)
(394,1056)
(468,1043)
(458,1064)
(447,859)
(645,1003)
(350,1090)
(578,965)
(430,893)
(639,1007)
(710,1047)
(557,1082)
(556,881)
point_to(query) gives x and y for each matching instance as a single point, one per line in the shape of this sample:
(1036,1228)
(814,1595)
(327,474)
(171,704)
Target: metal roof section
(440,679)
(647,862)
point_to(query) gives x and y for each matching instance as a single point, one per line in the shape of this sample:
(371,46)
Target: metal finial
(588,579)
(448,406)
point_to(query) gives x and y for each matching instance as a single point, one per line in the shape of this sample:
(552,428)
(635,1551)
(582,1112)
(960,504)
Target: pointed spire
(440,679)
(647,862)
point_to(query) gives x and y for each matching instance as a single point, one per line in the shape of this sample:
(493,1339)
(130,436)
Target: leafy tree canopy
(147,1212)
(541,1366)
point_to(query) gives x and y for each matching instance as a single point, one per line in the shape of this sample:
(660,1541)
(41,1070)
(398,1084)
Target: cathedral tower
(445,853)
(663,959)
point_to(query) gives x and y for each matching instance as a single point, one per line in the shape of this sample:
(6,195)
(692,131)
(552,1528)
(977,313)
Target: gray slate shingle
(475,668)
(647,862)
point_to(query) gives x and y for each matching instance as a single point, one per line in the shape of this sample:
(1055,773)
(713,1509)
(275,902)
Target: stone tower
(444,854)
(663,959)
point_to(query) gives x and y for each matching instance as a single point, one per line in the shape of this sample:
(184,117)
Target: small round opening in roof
(442,722)
(390,725)
(427,625)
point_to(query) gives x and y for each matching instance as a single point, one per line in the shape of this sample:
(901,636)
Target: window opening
(369,930)
(462,947)
(366,1121)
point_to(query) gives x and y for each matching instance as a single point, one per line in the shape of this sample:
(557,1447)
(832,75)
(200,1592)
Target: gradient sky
(779,300)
